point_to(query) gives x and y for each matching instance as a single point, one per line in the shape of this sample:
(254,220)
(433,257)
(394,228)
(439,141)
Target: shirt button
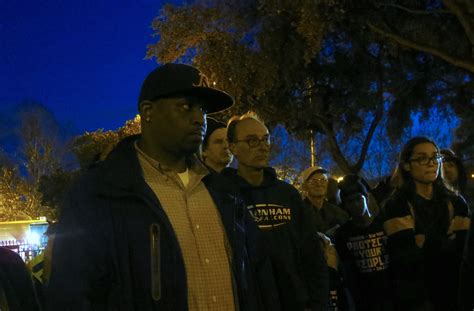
(214,298)
(206,260)
(197,226)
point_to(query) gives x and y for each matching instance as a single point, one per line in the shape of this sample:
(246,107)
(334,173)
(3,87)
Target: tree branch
(412,11)
(463,19)
(368,138)
(461,63)
(334,146)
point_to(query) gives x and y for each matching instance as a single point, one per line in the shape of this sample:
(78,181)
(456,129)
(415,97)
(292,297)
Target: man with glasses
(328,217)
(298,263)
(426,224)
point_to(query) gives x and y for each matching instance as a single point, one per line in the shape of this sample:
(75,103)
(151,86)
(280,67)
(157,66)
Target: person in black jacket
(149,228)
(298,262)
(17,292)
(327,216)
(362,246)
(426,224)
(466,286)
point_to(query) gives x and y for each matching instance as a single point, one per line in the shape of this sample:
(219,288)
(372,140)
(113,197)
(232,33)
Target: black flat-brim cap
(180,79)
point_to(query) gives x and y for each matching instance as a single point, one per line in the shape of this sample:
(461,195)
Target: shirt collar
(192,163)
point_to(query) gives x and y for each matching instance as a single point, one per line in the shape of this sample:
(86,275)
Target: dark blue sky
(82,59)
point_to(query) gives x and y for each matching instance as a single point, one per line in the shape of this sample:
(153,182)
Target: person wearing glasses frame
(297,258)
(426,224)
(327,216)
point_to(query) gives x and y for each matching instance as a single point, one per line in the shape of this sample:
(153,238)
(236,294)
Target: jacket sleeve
(466,286)
(406,256)
(312,267)
(78,277)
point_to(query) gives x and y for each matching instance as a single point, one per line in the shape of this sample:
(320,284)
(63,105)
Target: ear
(232,148)
(146,109)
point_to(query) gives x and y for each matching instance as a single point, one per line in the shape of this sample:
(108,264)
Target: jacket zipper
(155,261)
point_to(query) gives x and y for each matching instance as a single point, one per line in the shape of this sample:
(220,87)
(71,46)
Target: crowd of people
(163,223)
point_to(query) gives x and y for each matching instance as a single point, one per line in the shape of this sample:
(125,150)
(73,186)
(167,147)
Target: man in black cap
(215,148)
(362,247)
(148,228)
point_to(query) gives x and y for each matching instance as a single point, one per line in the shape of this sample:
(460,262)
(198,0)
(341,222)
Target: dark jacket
(297,258)
(364,256)
(16,286)
(466,286)
(425,241)
(328,218)
(115,248)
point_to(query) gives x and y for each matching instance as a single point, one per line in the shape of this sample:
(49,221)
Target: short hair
(234,120)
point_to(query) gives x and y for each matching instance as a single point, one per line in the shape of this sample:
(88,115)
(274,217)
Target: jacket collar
(120,174)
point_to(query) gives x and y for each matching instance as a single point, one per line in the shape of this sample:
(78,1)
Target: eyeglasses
(255,142)
(424,160)
(315,181)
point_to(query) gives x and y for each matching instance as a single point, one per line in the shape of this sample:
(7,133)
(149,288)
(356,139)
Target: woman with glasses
(426,224)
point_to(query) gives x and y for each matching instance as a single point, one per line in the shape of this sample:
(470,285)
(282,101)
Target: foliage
(443,29)
(464,145)
(20,199)
(53,188)
(41,150)
(310,67)
(94,146)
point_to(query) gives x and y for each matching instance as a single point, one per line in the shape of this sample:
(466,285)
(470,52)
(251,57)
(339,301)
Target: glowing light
(33,238)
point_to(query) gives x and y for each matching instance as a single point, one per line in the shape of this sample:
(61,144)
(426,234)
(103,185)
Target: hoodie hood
(269,178)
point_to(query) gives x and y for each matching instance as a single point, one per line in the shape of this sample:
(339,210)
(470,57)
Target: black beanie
(351,185)
(212,125)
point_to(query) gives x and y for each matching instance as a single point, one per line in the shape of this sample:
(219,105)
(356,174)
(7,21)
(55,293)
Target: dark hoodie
(297,258)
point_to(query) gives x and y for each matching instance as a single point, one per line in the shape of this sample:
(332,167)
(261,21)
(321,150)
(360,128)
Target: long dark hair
(406,184)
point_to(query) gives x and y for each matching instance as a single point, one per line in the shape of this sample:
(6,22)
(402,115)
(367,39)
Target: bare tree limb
(467,64)
(336,151)
(463,19)
(412,11)
(368,138)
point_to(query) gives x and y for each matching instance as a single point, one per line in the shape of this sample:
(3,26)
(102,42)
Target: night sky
(84,60)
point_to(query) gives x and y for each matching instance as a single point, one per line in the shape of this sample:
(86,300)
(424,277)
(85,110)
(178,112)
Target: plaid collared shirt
(199,230)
